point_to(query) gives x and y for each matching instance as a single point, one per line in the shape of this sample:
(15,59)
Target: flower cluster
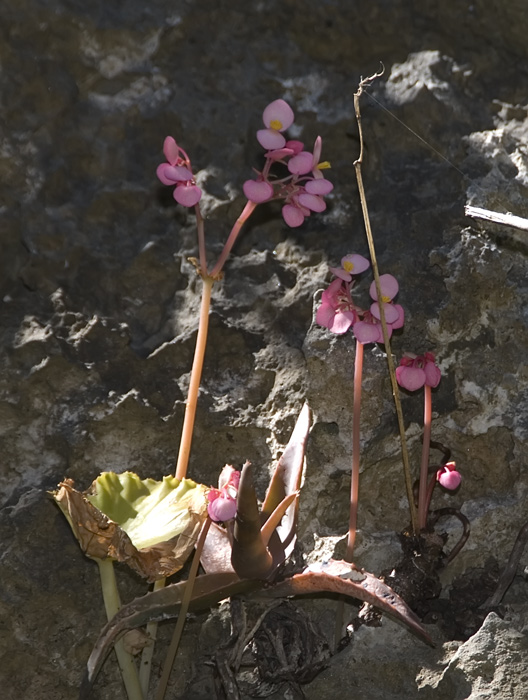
(177,171)
(304,188)
(222,501)
(416,371)
(338,312)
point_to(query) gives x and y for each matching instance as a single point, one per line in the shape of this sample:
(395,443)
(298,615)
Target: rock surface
(99,301)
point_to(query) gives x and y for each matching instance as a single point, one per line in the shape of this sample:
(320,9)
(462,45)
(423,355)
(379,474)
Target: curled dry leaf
(150,525)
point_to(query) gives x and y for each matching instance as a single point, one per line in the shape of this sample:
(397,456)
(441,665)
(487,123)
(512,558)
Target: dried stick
(395,392)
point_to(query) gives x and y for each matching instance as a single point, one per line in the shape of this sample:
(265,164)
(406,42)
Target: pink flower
(177,171)
(389,289)
(448,477)
(277,117)
(222,501)
(415,371)
(337,311)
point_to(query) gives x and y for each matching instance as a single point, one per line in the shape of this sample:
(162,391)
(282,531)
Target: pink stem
(354,482)
(201,240)
(194,382)
(244,216)
(429,494)
(424,465)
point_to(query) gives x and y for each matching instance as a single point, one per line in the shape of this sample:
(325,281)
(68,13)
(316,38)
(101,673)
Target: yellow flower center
(324,165)
(276,124)
(348,266)
(385,300)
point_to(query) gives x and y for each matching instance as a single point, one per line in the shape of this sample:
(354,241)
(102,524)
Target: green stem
(145,667)
(186,599)
(386,340)
(112,604)
(354,483)
(424,464)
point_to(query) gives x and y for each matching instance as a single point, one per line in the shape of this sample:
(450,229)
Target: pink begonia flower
(415,371)
(277,117)
(389,289)
(448,476)
(177,171)
(337,312)
(350,265)
(222,501)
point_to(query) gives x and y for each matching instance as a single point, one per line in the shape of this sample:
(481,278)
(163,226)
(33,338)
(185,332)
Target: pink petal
(389,287)
(392,315)
(296,146)
(342,274)
(355,264)
(293,216)
(280,153)
(312,202)
(449,478)
(170,150)
(222,509)
(432,374)
(278,115)
(270,139)
(301,163)
(257,191)
(368,332)
(410,378)
(187,195)
(177,173)
(318,145)
(401,318)
(320,186)
(171,174)
(325,315)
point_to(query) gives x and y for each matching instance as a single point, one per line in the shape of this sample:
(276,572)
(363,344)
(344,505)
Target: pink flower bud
(187,195)
(448,477)
(292,215)
(257,191)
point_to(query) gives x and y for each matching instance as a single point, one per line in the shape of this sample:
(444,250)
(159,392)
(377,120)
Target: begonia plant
(241,545)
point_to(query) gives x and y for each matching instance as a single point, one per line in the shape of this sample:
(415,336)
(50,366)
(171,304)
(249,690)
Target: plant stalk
(194,383)
(186,599)
(354,482)
(370,239)
(112,604)
(424,464)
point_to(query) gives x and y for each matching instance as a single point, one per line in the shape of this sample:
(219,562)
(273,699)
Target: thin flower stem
(186,599)
(429,494)
(201,240)
(194,383)
(354,483)
(112,604)
(395,392)
(244,216)
(424,464)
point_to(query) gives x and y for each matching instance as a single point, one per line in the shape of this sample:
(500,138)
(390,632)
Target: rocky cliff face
(99,301)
